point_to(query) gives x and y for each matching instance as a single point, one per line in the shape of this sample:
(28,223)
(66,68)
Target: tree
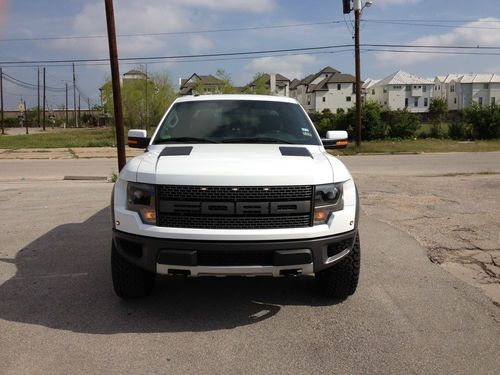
(226,86)
(401,123)
(438,110)
(137,111)
(259,85)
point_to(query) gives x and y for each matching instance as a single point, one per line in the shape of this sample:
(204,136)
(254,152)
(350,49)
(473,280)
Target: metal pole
(74,97)
(66,124)
(44,100)
(26,117)
(78,109)
(357,16)
(146,97)
(115,76)
(1,100)
(38,107)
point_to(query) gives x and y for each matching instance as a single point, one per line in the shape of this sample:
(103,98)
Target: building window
(339,86)
(373,91)
(486,86)
(480,101)
(424,89)
(406,102)
(385,90)
(348,98)
(452,88)
(385,103)
(415,104)
(408,88)
(454,100)
(308,99)
(426,102)
(397,87)
(493,101)
(324,99)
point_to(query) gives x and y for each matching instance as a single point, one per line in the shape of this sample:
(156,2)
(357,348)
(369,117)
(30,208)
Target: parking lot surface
(58,312)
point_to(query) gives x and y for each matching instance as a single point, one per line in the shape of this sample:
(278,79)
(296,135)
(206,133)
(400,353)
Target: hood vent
(295,151)
(176,151)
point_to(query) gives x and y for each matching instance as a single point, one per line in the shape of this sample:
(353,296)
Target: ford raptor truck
(235,185)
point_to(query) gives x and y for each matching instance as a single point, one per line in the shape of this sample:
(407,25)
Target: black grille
(228,193)
(232,222)
(228,219)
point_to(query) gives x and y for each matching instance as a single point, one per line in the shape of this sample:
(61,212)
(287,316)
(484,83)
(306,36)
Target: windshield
(236,121)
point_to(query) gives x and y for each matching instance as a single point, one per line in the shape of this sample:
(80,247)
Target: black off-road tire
(129,281)
(341,280)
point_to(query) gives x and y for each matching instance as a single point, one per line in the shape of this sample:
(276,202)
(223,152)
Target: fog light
(321,215)
(148,215)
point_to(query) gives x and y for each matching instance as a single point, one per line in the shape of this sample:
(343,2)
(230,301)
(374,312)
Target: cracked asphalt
(58,313)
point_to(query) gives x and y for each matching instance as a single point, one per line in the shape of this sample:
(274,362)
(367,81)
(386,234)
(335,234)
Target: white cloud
(289,66)
(469,34)
(153,16)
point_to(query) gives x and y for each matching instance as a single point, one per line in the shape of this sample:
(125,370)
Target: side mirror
(335,139)
(138,138)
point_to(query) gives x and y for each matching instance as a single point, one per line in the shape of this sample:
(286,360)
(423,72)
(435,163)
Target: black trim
(176,151)
(152,247)
(295,151)
(138,142)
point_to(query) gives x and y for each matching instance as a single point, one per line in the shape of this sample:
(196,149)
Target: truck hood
(232,164)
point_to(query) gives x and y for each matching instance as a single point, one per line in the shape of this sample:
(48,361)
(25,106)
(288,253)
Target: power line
(246,53)
(432,25)
(187,32)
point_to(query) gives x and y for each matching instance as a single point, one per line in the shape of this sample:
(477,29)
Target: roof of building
(335,78)
(369,83)
(404,78)
(294,83)
(134,72)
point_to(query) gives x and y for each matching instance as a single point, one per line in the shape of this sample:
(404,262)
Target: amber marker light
(342,143)
(320,214)
(149,215)
(132,142)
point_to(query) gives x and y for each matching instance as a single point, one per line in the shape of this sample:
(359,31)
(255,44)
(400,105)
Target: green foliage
(459,130)
(139,112)
(484,120)
(401,123)
(227,86)
(438,110)
(371,122)
(259,85)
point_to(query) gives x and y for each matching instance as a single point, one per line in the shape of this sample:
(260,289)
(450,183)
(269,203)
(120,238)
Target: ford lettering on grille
(235,208)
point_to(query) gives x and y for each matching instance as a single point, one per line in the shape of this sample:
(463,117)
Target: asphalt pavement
(59,315)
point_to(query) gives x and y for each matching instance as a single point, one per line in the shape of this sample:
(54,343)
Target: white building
(482,89)
(402,90)
(327,89)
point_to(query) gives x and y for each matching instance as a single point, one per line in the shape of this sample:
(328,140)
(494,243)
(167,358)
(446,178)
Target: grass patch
(60,138)
(419,145)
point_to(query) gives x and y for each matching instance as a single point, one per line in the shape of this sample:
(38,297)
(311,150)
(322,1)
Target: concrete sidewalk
(66,153)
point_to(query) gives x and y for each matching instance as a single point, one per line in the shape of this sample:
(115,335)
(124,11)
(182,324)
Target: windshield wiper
(184,140)
(256,140)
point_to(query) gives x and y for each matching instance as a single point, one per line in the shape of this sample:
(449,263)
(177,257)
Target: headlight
(141,199)
(328,199)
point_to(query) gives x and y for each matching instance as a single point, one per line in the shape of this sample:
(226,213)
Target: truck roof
(267,98)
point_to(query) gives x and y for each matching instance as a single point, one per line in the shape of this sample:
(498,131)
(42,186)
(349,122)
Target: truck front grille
(222,207)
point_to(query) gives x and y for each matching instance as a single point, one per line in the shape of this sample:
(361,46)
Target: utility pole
(26,117)
(146,97)
(115,77)
(44,99)
(38,107)
(357,17)
(74,97)
(1,100)
(67,117)
(78,108)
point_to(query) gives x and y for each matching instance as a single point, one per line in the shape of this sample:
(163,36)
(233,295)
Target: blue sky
(57,18)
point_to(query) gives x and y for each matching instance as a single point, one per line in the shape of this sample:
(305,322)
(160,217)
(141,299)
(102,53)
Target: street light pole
(357,16)
(115,77)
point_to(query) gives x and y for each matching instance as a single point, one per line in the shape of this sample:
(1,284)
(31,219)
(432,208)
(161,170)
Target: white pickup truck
(235,185)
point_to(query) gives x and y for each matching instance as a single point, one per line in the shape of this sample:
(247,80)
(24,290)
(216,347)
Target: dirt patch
(456,217)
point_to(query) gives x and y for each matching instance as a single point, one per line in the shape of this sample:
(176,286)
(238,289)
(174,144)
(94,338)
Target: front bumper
(197,258)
